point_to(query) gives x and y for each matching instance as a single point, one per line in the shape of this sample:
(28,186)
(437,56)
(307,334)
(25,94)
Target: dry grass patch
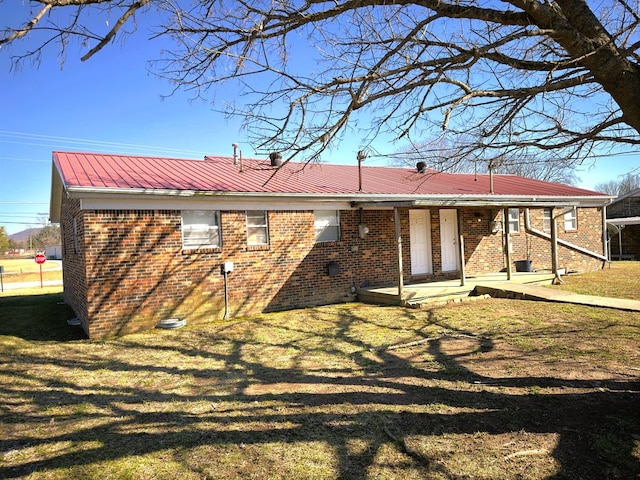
(617,280)
(27,270)
(489,389)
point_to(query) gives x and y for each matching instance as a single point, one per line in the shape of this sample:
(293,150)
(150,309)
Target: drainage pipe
(564,243)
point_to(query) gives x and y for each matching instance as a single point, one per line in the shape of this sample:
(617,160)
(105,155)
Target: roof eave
(359,200)
(501,201)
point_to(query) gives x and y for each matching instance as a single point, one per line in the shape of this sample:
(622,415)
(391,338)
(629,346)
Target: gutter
(357,200)
(546,236)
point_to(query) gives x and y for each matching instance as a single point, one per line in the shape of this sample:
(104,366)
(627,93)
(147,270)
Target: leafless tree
(439,155)
(511,78)
(625,184)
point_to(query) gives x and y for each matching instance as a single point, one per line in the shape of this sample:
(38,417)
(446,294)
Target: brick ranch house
(146,239)
(623,219)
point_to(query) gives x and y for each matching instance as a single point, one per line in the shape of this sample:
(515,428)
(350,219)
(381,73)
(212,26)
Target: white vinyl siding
(327,225)
(200,229)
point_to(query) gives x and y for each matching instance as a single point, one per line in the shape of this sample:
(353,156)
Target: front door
(449,239)
(420,238)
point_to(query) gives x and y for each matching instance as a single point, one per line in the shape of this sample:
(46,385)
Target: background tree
(438,155)
(626,184)
(4,240)
(48,235)
(511,78)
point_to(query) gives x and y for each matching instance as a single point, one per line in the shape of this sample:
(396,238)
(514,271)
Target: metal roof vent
(235,153)
(421,167)
(276,159)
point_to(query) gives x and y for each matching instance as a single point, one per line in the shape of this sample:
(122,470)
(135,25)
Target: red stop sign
(40,258)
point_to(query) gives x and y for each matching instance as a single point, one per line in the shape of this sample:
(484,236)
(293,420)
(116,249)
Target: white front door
(449,239)
(420,238)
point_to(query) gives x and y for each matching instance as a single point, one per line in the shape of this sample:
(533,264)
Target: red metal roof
(219,174)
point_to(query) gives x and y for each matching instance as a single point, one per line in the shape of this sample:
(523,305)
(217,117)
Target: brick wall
(588,235)
(73,254)
(627,207)
(129,270)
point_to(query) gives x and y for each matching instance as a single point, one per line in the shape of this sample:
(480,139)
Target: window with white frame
(547,214)
(327,224)
(514,220)
(571,220)
(200,229)
(257,227)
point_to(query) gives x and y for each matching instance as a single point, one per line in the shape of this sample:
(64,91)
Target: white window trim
(264,225)
(546,221)
(209,228)
(321,226)
(571,221)
(513,220)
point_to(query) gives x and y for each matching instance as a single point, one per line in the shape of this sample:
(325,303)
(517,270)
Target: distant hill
(24,234)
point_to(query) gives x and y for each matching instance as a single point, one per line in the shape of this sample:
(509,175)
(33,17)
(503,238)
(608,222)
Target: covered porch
(486,228)
(446,291)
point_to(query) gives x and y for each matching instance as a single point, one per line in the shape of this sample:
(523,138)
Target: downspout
(605,235)
(396,218)
(554,250)
(564,243)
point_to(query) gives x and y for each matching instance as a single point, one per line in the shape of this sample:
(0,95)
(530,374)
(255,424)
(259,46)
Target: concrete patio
(446,291)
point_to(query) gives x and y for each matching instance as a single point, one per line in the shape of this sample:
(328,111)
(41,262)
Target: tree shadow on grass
(37,318)
(296,399)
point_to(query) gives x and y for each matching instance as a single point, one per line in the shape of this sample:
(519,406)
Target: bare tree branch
(116,28)
(521,77)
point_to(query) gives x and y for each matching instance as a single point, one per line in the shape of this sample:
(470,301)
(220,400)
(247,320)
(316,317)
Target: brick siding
(129,269)
(627,207)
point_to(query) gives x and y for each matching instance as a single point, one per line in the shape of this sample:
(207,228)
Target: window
(327,223)
(571,220)
(546,219)
(200,229)
(257,227)
(514,220)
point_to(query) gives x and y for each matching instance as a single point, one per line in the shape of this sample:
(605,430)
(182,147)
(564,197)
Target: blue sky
(112,104)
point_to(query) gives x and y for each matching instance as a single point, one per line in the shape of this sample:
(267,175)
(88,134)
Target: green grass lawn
(491,389)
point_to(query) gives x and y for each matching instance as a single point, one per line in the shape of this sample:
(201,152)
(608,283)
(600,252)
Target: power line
(23,223)
(9,159)
(55,141)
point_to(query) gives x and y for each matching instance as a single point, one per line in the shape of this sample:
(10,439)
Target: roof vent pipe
(276,159)
(421,167)
(235,153)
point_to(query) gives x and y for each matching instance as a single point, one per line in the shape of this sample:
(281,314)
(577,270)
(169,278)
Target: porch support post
(507,244)
(463,279)
(620,240)
(605,236)
(396,219)
(554,250)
